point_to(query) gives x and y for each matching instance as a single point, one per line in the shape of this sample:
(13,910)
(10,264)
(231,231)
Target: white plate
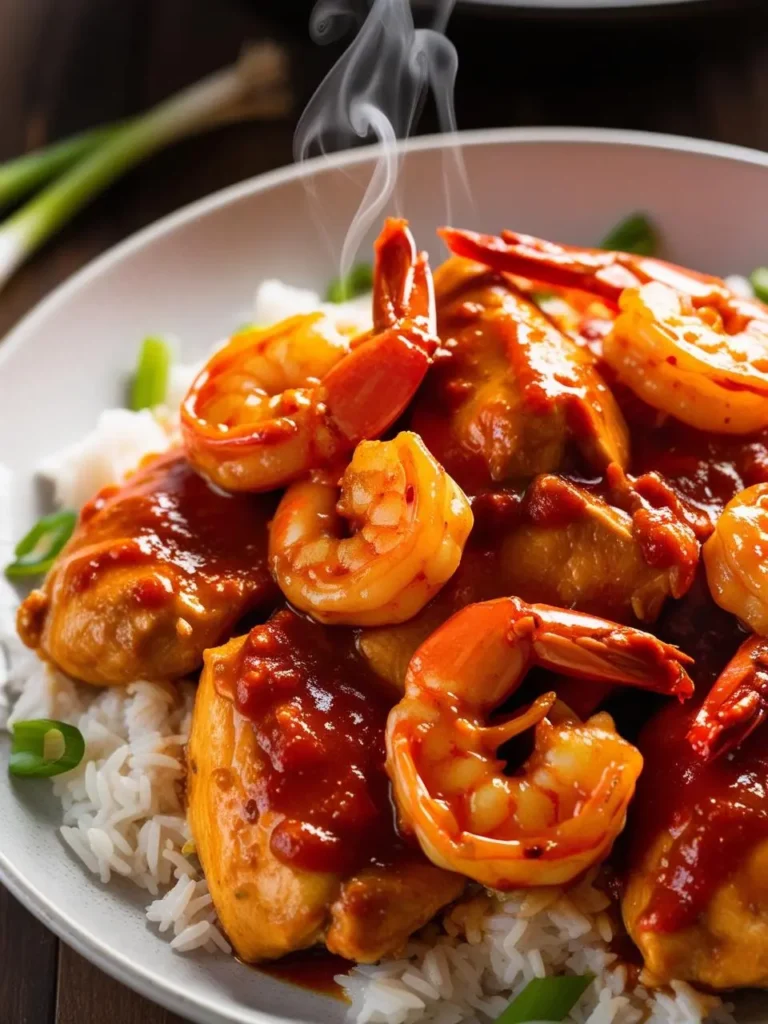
(194,274)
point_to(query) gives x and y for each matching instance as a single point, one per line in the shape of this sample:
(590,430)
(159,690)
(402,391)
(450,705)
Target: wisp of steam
(375,93)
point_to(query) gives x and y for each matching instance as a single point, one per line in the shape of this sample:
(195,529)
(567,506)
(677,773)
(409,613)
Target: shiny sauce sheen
(313,969)
(715,811)
(168,516)
(318,713)
(706,469)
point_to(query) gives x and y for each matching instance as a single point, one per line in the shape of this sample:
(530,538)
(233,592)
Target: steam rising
(375,93)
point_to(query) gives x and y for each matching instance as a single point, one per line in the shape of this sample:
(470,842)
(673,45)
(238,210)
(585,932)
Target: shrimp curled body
(736,558)
(408,524)
(563,809)
(274,404)
(683,341)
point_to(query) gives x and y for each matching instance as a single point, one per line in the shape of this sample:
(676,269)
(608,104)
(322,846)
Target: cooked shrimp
(274,404)
(736,558)
(683,341)
(563,809)
(510,396)
(736,704)
(407,523)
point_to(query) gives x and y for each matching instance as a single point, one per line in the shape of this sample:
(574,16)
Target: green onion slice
(42,747)
(35,553)
(759,281)
(357,282)
(636,234)
(546,999)
(150,383)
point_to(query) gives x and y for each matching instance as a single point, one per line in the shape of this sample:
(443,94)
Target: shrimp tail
(598,272)
(402,284)
(586,647)
(736,705)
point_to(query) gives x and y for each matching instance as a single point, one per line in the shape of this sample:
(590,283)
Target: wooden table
(67,65)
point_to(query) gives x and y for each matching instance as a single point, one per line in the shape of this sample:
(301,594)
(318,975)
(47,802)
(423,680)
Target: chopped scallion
(150,383)
(759,281)
(636,234)
(550,999)
(358,281)
(42,747)
(36,551)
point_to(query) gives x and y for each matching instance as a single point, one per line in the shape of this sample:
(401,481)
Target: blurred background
(698,67)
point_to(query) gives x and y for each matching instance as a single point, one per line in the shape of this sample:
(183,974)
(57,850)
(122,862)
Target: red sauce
(319,714)
(707,469)
(211,544)
(314,969)
(715,811)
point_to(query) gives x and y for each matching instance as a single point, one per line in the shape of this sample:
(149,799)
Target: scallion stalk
(36,551)
(150,382)
(358,281)
(248,89)
(546,999)
(27,173)
(636,235)
(42,747)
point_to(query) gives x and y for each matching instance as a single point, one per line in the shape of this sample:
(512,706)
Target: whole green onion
(150,382)
(251,88)
(357,282)
(31,756)
(759,281)
(546,999)
(636,235)
(36,551)
(25,174)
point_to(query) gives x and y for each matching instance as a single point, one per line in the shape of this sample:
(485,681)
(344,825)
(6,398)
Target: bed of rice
(123,811)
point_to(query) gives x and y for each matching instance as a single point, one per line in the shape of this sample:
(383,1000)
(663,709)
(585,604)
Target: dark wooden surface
(67,64)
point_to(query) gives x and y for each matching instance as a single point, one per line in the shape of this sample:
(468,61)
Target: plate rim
(109,958)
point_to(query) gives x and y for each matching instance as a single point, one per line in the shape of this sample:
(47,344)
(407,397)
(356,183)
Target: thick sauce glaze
(319,713)
(167,514)
(715,811)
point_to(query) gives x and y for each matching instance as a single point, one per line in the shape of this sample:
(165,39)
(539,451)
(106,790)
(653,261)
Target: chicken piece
(289,801)
(509,395)
(696,899)
(156,571)
(560,545)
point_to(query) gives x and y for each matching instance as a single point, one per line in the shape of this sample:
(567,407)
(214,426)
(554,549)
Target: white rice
(123,813)
(487,949)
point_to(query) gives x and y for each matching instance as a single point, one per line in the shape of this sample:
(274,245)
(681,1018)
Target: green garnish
(150,383)
(357,282)
(36,551)
(636,234)
(42,747)
(26,173)
(253,88)
(759,281)
(546,999)
(247,327)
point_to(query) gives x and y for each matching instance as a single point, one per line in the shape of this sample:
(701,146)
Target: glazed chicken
(156,571)
(510,396)
(289,802)
(560,544)
(696,900)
